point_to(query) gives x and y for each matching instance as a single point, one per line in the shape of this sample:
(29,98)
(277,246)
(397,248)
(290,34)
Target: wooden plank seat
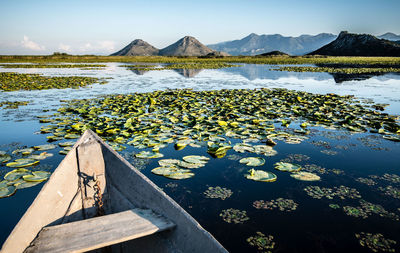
(98,232)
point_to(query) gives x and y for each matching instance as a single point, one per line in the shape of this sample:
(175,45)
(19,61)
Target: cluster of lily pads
(13,104)
(367,208)
(44,65)
(339,70)
(375,242)
(264,243)
(367,181)
(29,158)
(391,191)
(218,192)
(20,179)
(295,158)
(341,192)
(392,178)
(10,81)
(234,216)
(280,203)
(174,168)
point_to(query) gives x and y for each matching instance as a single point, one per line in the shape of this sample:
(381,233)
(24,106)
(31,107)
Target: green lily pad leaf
(195,159)
(41,156)
(15,174)
(24,151)
(7,191)
(172,172)
(21,163)
(264,150)
(3,153)
(187,165)
(290,167)
(243,147)
(38,176)
(25,184)
(260,175)
(53,138)
(63,152)
(66,144)
(168,162)
(253,161)
(45,147)
(5,158)
(306,176)
(180,175)
(71,136)
(148,154)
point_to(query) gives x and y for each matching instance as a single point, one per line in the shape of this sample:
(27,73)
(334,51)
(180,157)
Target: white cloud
(65,47)
(27,43)
(105,45)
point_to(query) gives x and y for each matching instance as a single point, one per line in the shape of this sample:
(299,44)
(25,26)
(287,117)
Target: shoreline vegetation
(227,59)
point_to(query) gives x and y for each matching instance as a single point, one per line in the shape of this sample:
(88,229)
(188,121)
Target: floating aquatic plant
(329,152)
(280,203)
(305,176)
(23,162)
(295,158)
(173,172)
(375,242)
(264,243)
(355,212)
(218,192)
(20,179)
(314,168)
(334,206)
(148,154)
(45,147)
(253,161)
(234,216)
(260,175)
(367,181)
(391,191)
(10,81)
(342,192)
(289,167)
(13,104)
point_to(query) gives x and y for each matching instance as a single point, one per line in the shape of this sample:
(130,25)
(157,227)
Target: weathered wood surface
(94,233)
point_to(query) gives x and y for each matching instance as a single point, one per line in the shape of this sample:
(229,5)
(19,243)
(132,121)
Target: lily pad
(25,184)
(172,172)
(195,159)
(305,176)
(17,173)
(41,156)
(24,151)
(260,175)
(5,158)
(45,147)
(21,163)
(7,191)
(66,144)
(149,154)
(38,176)
(253,161)
(290,167)
(168,162)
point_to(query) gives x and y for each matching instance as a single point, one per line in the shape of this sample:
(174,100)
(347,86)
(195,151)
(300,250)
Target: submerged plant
(280,203)
(264,243)
(375,242)
(217,192)
(234,216)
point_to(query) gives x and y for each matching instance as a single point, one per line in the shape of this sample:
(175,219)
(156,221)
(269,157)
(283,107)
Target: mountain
(137,47)
(274,53)
(255,44)
(350,44)
(187,46)
(389,36)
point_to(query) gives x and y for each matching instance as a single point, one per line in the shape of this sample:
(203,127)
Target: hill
(274,53)
(137,47)
(349,44)
(254,44)
(389,36)
(187,46)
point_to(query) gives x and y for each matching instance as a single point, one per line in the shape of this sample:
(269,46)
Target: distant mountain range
(276,44)
(187,46)
(350,44)
(254,44)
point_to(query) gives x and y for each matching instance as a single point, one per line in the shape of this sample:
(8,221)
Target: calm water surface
(312,227)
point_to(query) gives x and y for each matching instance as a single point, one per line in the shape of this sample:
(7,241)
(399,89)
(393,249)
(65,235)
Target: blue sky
(102,27)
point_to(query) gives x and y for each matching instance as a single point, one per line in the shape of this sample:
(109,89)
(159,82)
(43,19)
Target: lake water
(315,226)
